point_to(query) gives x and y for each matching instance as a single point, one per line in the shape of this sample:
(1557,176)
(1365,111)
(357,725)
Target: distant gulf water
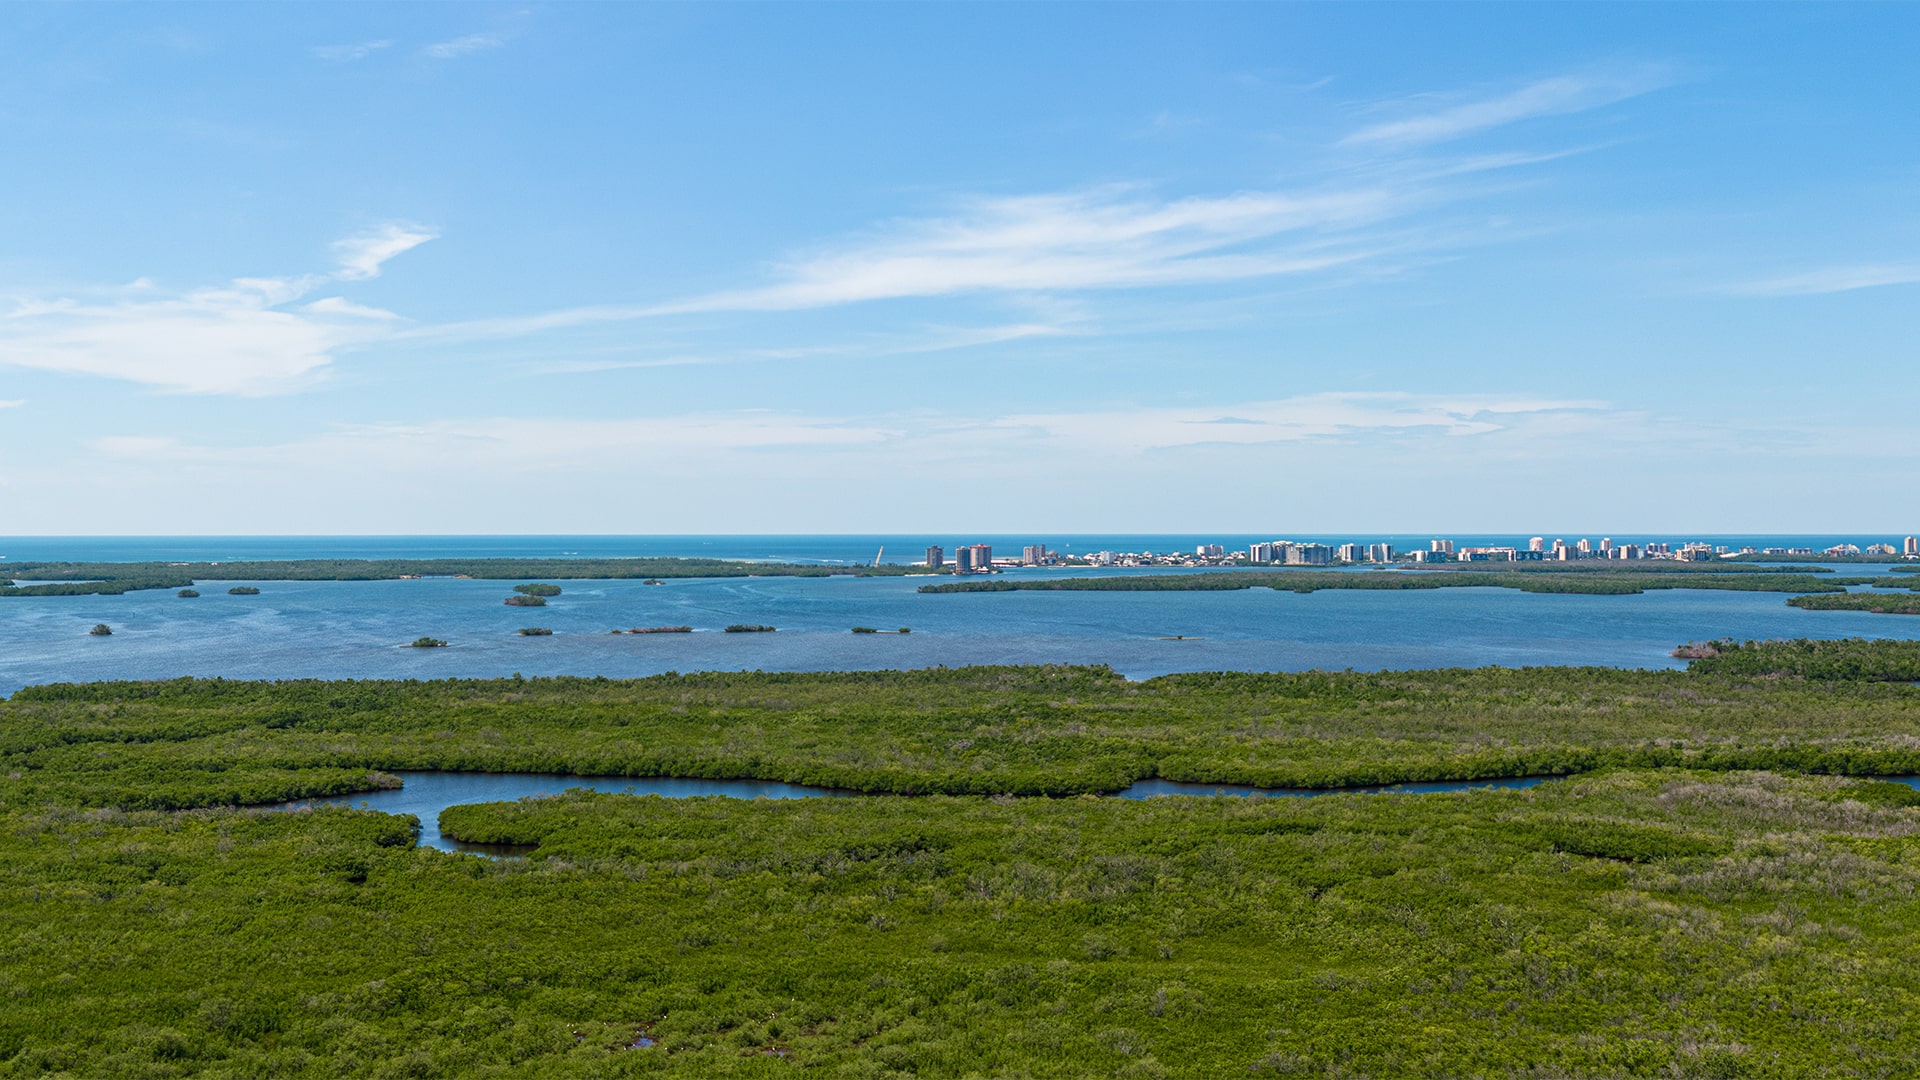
(829,550)
(358,629)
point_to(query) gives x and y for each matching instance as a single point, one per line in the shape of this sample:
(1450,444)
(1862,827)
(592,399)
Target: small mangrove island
(101,630)
(534,631)
(427,643)
(660,630)
(749,628)
(1878,603)
(243,590)
(537,590)
(187,594)
(523,600)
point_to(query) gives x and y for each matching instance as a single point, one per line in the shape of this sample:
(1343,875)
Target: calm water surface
(358,629)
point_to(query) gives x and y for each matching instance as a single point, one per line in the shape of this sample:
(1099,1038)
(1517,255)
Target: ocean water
(359,629)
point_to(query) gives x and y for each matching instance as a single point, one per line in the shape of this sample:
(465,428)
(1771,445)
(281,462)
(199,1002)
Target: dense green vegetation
(660,630)
(535,631)
(750,628)
(188,594)
(522,600)
(1694,904)
(1849,659)
(1041,730)
(1624,924)
(1591,582)
(243,590)
(427,643)
(1883,603)
(109,579)
(101,630)
(538,590)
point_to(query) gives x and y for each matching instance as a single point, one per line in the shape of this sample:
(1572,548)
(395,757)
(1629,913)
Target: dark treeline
(1880,603)
(95,578)
(1585,582)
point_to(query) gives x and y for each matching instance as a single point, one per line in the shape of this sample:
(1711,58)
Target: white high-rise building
(1349,553)
(1913,545)
(1260,553)
(1538,543)
(1441,547)
(1380,553)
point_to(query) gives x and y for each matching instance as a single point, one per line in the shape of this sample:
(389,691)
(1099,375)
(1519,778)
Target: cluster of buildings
(978,558)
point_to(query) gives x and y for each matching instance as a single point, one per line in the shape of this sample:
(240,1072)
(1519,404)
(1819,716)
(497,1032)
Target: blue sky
(336,268)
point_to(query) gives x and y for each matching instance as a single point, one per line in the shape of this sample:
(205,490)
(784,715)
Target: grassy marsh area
(1841,707)
(1694,904)
(1624,924)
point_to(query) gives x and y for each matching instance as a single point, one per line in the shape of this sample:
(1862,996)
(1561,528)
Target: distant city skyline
(641,269)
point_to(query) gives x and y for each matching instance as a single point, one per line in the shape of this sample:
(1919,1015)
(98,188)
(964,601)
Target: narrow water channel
(425,794)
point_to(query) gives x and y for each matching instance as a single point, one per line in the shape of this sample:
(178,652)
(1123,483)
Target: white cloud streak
(1555,96)
(524,444)
(361,256)
(1108,238)
(347,53)
(14,404)
(1317,416)
(1834,279)
(232,339)
(462,46)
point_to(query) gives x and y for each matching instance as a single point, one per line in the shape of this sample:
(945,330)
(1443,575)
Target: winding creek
(425,794)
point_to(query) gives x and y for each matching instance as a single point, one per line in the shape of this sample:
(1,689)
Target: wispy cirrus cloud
(535,441)
(361,255)
(1314,416)
(347,53)
(1833,279)
(237,338)
(462,46)
(1101,239)
(12,404)
(1555,96)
